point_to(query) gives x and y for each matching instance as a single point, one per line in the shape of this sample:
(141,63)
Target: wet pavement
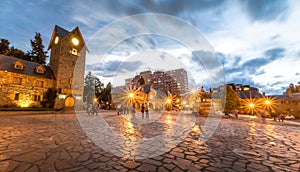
(59,142)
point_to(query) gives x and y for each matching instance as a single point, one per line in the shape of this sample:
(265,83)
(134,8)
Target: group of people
(93,109)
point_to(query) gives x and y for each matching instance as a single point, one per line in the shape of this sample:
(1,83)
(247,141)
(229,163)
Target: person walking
(142,110)
(147,110)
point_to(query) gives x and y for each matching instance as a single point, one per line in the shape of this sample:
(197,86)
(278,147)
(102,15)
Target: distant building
(289,102)
(24,83)
(180,76)
(243,91)
(173,81)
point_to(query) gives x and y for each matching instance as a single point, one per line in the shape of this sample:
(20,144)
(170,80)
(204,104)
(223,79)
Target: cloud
(252,66)
(255,39)
(110,68)
(266,10)
(275,53)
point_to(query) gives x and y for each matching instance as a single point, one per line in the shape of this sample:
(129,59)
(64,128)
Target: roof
(7,61)
(288,98)
(61,32)
(249,94)
(117,90)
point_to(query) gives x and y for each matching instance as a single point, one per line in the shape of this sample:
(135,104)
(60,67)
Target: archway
(69,102)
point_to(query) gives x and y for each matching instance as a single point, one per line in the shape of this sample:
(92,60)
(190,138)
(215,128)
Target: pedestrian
(90,109)
(142,110)
(119,109)
(281,117)
(147,110)
(95,109)
(236,112)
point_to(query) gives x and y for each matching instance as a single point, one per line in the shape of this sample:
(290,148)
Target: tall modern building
(174,81)
(180,76)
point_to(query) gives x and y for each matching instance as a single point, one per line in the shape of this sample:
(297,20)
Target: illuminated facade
(25,83)
(173,81)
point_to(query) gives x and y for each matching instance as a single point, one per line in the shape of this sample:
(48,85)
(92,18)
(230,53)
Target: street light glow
(169,100)
(130,95)
(251,105)
(193,90)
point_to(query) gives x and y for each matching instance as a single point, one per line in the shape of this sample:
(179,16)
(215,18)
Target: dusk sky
(257,41)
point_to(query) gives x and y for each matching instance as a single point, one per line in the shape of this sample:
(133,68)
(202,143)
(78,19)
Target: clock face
(75,41)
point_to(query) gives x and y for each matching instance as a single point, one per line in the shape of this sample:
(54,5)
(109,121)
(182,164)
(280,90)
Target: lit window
(18,65)
(74,52)
(39,83)
(56,40)
(17,80)
(40,70)
(75,41)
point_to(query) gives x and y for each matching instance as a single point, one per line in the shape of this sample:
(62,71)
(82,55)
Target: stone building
(24,83)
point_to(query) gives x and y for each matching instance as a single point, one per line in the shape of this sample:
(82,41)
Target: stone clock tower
(67,61)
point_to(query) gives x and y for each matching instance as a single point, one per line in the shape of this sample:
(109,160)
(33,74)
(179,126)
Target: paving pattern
(57,142)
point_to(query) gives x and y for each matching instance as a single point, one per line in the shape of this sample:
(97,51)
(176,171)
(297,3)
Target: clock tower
(67,61)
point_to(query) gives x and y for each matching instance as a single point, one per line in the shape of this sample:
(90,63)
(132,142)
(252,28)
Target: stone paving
(57,142)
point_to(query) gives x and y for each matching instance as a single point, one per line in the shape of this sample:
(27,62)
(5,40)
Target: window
(39,83)
(17,96)
(71,81)
(18,65)
(37,98)
(40,70)
(17,80)
(74,52)
(56,40)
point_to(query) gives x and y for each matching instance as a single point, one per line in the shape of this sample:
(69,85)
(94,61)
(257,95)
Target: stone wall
(69,69)
(27,90)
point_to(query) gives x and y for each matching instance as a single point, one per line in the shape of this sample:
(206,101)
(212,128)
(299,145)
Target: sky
(256,41)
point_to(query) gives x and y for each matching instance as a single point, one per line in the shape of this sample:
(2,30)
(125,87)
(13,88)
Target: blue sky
(256,40)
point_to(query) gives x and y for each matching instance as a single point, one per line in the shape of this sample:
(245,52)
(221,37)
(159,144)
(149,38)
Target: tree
(232,100)
(14,52)
(92,87)
(37,54)
(4,46)
(141,81)
(49,98)
(105,94)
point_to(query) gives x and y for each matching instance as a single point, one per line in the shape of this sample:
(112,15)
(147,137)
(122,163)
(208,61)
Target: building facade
(25,84)
(173,81)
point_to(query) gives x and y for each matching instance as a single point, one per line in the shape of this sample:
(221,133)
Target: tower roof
(62,33)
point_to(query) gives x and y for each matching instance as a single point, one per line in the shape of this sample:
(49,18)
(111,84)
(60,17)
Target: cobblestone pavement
(56,142)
